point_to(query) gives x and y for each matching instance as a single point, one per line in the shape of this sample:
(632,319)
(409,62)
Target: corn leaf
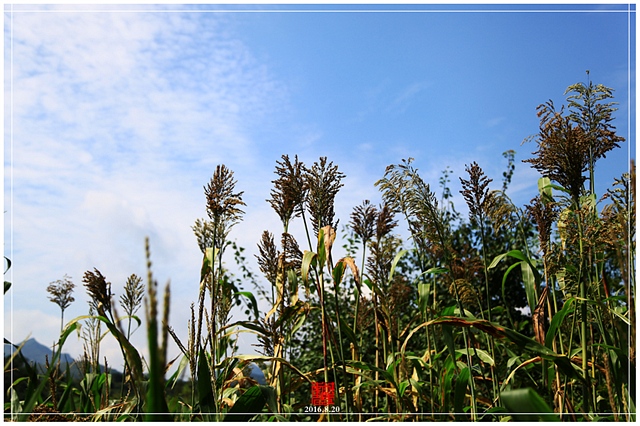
(460,392)
(526,405)
(246,407)
(205,392)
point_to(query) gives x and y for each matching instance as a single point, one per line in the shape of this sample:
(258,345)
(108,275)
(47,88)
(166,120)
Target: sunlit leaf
(396,259)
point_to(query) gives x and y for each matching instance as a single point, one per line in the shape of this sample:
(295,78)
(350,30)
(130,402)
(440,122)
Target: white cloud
(118,121)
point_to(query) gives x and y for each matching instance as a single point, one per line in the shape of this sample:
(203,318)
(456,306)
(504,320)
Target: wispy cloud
(493,122)
(403,100)
(118,120)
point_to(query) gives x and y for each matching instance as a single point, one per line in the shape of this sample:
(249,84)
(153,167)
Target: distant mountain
(36,352)
(257,374)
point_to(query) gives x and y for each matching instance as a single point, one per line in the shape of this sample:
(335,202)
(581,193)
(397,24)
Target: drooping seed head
(323,181)
(99,289)
(290,190)
(363,221)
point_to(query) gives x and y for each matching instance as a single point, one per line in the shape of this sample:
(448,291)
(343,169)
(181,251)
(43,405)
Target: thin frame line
(317,414)
(11,184)
(628,11)
(629,242)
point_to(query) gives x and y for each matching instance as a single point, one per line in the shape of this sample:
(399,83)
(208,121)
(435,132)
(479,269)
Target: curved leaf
(246,407)
(342,264)
(557,321)
(530,275)
(272,358)
(483,355)
(251,297)
(460,392)
(527,405)
(309,260)
(501,332)
(396,259)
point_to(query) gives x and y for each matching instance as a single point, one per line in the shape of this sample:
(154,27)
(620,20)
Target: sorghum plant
(323,182)
(61,294)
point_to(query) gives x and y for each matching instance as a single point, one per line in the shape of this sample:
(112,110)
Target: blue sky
(115,118)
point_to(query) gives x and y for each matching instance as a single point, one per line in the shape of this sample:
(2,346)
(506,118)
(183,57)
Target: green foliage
(514,313)
(527,406)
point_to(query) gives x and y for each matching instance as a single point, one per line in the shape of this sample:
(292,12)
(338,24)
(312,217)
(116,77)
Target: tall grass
(516,313)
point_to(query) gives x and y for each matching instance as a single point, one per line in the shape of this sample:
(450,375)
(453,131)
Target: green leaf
(528,277)
(545,188)
(484,356)
(527,406)
(322,251)
(501,332)
(436,271)
(449,371)
(416,385)
(251,326)
(175,377)
(557,321)
(292,279)
(66,401)
(251,297)
(348,333)
(402,387)
(251,402)
(447,333)
(131,353)
(517,254)
(368,283)
(360,365)
(289,314)
(529,274)
(392,271)
(207,263)
(338,273)
(424,290)
(462,381)
(16,406)
(205,392)
(309,260)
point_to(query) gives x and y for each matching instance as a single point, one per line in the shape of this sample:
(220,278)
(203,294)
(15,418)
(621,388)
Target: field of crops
(510,313)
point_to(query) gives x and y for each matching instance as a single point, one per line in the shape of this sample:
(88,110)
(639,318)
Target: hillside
(35,351)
